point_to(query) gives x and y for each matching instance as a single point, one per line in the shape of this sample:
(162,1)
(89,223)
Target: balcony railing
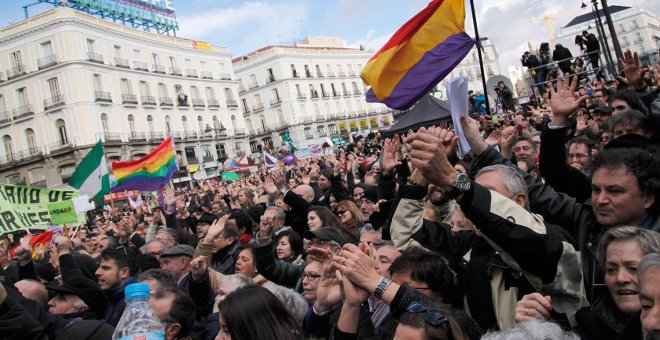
(241,90)
(148,100)
(136,135)
(239,131)
(253,86)
(127,98)
(258,108)
(95,57)
(189,134)
(275,102)
(357,94)
(319,74)
(207,75)
(102,96)
(320,118)
(120,62)
(191,73)
(308,74)
(166,101)
(109,137)
(325,95)
(31,153)
(308,119)
(302,96)
(140,65)
(214,103)
(47,61)
(5,118)
(295,74)
(198,102)
(336,95)
(351,74)
(315,96)
(225,76)
(331,74)
(347,94)
(23,111)
(60,146)
(246,110)
(231,103)
(270,79)
(16,71)
(175,71)
(53,102)
(159,69)
(341,74)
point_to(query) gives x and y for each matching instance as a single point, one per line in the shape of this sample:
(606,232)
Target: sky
(245,26)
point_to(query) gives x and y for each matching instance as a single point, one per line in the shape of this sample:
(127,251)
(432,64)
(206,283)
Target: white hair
(532,330)
(291,300)
(79,304)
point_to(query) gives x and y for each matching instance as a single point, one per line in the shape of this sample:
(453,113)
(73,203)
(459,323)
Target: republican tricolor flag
(420,54)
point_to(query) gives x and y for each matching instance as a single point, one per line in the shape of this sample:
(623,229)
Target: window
(104,123)
(257,101)
(150,123)
(184,121)
(91,45)
(31,141)
(46,49)
(9,147)
(54,87)
(210,94)
(3,106)
(131,124)
(22,97)
(622,28)
(298,90)
(638,37)
(229,94)
(118,53)
(126,86)
(200,123)
(318,71)
(17,62)
(173,62)
(145,91)
(168,125)
(233,121)
(194,92)
(276,95)
(61,130)
(188,63)
(253,81)
(246,108)
(162,90)
(98,84)
(137,55)
(202,65)
(156,59)
(635,24)
(294,73)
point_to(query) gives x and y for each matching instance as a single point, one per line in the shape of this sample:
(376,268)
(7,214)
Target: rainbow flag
(148,173)
(420,54)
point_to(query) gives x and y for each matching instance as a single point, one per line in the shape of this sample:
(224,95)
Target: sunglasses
(432,317)
(341,212)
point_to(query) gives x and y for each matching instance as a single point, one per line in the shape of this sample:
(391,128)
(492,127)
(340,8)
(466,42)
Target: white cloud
(257,23)
(370,42)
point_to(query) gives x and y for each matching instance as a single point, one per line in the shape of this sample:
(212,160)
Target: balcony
(166,101)
(351,74)
(176,135)
(319,74)
(137,136)
(302,96)
(356,94)
(331,74)
(47,61)
(102,96)
(16,71)
(270,79)
(109,137)
(295,74)
(23,112)
(322,133)
(142,66)
(258,108)
(341,74)
(225,76)
(215,103)
(5,118)
(191,73)
(60,146)
(207,75)
(325,95)
(231,103)
(182,101)
(314,96)
(95,57)
(347,94)
(253,86)
(53,102)
(239,131)
(308,74)
(120,62)
(158,69)
(148,100)
(30,154)
(275,102)
(175,71)
(336,95)
(308,119)
(196,102)
(127,98)
(246,110)
(241,90)
(320,118)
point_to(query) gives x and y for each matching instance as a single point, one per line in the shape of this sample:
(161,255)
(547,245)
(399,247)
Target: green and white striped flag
(91,176)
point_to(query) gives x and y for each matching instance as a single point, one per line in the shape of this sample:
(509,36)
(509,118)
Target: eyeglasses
(310,276)
(432,317)
(577,156)
(341,212)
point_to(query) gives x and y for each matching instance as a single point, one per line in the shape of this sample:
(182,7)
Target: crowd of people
(546,229)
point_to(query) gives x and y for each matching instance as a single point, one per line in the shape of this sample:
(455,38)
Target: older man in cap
(176,261)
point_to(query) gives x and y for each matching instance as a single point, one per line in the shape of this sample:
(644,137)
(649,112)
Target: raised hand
(270,186)
(494,137)
(472,135)
(533,306)
(582,123)
(62,244)
(328,291)
(390,160)
(357,266)
(198,267)
(632,70)
(563,101)
(217,227)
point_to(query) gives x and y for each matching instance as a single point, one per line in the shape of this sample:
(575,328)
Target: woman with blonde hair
(350,216)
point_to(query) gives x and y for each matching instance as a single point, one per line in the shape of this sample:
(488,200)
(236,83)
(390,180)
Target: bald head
(33,290)
(305,191)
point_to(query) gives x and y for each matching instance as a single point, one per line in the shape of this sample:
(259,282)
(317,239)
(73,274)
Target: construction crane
(548,20)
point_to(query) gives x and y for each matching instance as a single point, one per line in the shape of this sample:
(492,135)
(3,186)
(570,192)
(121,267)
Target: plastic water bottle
(138,321)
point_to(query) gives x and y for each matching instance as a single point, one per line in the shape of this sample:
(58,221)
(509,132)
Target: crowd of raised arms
(546,229)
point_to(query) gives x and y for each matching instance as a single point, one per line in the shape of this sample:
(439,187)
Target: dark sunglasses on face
(432,317)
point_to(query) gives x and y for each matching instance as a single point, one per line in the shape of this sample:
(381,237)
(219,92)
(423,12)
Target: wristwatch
(462,185)
(382,286)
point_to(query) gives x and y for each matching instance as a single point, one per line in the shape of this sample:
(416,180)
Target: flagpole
(481,61)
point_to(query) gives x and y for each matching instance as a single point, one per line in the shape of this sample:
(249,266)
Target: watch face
(462,182)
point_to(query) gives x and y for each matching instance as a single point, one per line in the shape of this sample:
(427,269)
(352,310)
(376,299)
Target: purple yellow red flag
(420,54)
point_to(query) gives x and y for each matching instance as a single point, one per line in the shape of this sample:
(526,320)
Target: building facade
(469,67)
(311,90)
(72,79)
(637,30)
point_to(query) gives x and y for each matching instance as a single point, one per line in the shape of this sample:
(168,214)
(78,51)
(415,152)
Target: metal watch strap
(382,286)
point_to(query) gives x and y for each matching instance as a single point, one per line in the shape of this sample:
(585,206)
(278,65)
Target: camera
(497,89)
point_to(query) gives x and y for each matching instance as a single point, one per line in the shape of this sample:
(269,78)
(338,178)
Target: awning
(193,168)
